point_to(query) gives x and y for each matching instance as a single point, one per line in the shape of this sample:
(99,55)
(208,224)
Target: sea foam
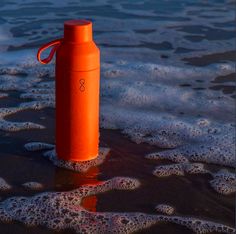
(153,103)
(32,185)
(165,209)
(4,186)
(223,181)
(10,126)
(70,165)
(63,210)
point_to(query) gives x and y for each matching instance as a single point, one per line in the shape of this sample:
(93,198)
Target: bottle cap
(78,31)
(77,46)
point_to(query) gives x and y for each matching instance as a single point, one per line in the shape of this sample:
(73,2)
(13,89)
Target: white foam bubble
(32,185)
(200,226)
(179,169)
(35,146)
(4,185)
(214,148)
(9,83)
(22,77)
(3,95)
(10,126)
(37,105)
(165,209)
(172,157)
(224,182)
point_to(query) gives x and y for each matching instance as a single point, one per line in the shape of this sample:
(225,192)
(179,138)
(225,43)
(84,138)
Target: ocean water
(167,114)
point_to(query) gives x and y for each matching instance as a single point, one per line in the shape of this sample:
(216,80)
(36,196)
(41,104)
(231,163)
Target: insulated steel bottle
(77,91)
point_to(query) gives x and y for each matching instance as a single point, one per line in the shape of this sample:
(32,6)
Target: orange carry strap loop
(56,43)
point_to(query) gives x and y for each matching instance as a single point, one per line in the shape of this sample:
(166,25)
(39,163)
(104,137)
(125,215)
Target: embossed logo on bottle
(82,85)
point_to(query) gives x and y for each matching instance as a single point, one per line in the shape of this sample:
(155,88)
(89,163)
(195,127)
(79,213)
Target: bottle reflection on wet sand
(66,180)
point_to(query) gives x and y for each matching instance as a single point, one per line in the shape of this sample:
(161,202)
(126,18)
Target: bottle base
(66,157)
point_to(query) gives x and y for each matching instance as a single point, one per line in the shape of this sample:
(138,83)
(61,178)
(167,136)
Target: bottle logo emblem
(82,85)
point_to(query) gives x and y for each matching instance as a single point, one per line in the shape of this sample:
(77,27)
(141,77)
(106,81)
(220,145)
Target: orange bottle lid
(80,51)
(78,31)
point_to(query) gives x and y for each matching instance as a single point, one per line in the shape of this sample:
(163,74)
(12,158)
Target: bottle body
(77,102)
(77,91)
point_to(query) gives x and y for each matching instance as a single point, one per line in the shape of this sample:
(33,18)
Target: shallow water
(167,89)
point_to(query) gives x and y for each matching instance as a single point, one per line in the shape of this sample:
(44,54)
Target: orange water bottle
(77,91)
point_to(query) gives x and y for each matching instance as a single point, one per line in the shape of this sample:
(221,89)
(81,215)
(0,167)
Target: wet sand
(191,195)
(212,58)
